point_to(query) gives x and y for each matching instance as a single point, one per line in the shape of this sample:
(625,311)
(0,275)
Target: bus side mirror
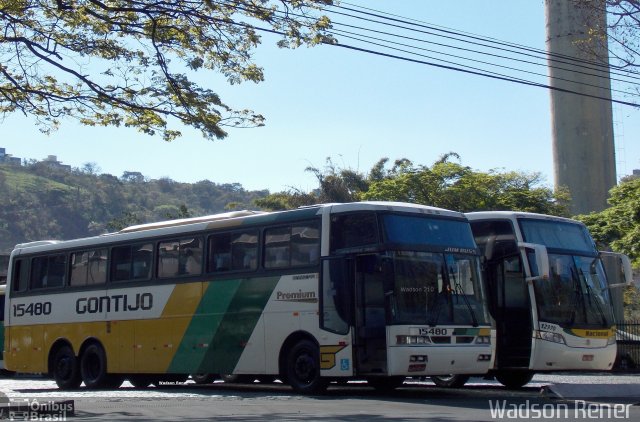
(618,269)
(538,259)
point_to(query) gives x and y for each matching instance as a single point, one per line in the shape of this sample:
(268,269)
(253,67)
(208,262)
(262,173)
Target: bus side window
(88,267)
(233,251)
(131,262)
(277,247)
(20,275)
(48,271)
(305,245)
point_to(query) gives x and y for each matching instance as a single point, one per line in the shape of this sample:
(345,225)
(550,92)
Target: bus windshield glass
(437,289)
(576,293)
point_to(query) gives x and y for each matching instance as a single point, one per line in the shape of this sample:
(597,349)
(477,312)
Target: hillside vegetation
(40,201)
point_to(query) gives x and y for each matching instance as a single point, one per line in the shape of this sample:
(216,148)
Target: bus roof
(512,215)
(233,219)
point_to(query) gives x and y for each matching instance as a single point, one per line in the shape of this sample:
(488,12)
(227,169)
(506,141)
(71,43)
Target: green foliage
(451,185)
(618,227)
(132,62)
(444,184)
(44,202)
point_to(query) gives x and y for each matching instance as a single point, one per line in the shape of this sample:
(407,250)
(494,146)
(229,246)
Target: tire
(385,384)
(302,369)
(450,381)
(65,370)
(203,378)
(514,380)
(236,378)
(93,368)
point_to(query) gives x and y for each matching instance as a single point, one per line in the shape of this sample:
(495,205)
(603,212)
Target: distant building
(8,158)
(52,162)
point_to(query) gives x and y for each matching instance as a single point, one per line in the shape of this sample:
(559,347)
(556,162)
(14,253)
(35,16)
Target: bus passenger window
(20,275)
(353,230)
(131,262)
(277,247)
(48,271)
(89,267)
(305,245)
(180,258)
(292,246)
(233,251)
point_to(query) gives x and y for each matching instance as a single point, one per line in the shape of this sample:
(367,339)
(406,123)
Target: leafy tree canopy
(618,226)
(128,62)
(446,184)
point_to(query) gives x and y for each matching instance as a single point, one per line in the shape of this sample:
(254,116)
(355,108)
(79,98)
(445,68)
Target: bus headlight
(611,340)
(552,337)
(483,340)
(413,340)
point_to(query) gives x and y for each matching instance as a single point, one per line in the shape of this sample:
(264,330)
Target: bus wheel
(385,384)
(203,378)
(514,379)
(65,369)
(302,369)
(450,381)
(237,378)
(93,367)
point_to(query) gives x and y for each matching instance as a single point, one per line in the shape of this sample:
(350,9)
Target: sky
(352,107)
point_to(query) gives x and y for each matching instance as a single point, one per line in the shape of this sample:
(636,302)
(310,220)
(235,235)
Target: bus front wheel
(450,381)
(302,368)
(514,379)
(65,369)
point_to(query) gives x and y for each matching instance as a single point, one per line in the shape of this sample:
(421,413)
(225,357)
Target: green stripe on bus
(223,322)
(237,325)
(204,324)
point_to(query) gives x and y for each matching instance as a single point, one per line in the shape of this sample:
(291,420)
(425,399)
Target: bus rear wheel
(203,378)
(93,369)
(302,368)
(65,369)
(450,381)
(514,379)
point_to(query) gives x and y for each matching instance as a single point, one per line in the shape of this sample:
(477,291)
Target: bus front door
(370,318)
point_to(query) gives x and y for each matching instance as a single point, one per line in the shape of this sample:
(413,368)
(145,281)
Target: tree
(619,38)
(618,227)
(445,184)
(451,185)
(130,62)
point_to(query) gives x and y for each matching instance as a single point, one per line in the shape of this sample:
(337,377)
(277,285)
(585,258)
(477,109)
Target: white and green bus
(378,291)
(561,321)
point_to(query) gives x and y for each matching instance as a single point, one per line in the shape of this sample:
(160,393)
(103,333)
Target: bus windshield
(437,288)
(576,293)
(441,286)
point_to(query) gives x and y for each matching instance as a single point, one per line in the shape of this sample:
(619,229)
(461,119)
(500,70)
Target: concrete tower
(583,146)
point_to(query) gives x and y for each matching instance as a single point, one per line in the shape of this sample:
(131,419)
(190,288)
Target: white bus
(379,291)
(562,322)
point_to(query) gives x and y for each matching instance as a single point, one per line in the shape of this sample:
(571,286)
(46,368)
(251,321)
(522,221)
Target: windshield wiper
(592,297)
(577,296)
(459,291)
